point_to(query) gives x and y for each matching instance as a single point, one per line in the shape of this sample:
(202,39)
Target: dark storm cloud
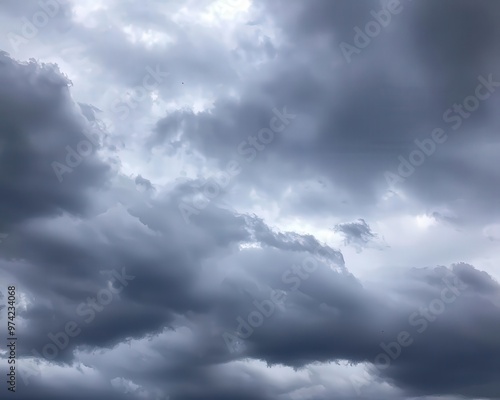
(190,284)
(456,44)
(357,324)
(38,122)
(362,116)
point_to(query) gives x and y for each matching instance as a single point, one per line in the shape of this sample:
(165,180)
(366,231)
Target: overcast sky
(251,199)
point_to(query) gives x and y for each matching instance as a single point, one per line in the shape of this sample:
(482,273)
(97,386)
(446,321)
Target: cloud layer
(210,200)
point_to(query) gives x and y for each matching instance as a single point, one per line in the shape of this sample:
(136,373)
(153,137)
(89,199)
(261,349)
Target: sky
(249,199)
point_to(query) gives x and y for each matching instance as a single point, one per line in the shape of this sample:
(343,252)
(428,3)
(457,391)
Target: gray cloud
(357,234)
(112,206)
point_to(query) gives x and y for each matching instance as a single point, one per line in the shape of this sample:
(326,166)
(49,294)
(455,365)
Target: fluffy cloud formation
(171,172)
